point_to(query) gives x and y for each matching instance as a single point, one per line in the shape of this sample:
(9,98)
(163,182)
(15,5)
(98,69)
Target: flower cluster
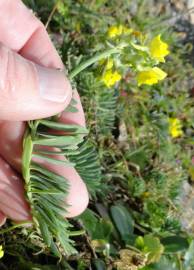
(144,55)
(158,50)
(110,77)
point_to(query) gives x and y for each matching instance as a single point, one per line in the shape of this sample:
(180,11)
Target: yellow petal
(1,252)
(158,49)
(118,30)
(150,76)
(115,31)
(175,127)
(110,78)
(161,75)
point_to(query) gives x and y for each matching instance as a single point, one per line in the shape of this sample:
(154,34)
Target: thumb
(2,219)
(29,91)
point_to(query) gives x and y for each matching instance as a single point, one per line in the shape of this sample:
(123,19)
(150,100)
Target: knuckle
(7,72)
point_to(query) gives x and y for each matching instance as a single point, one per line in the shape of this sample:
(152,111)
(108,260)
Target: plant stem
(52,13)
(94,59)
(15,226)
(77,233)
(179,262)
(27,156)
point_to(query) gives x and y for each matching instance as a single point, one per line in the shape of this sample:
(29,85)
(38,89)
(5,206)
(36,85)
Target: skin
(32,86)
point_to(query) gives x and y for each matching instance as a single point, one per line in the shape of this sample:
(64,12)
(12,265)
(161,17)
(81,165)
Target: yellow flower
(115,31)
(1,252)
(158,49)
(175,127)
(110,78)
(150,76)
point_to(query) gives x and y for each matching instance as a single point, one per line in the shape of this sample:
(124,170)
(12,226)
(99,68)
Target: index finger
(22,32)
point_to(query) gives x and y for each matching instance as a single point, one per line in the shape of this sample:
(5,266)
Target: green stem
(180,265)
(15,226)
(26,161)
(77,233)
(27,156)
(94,59)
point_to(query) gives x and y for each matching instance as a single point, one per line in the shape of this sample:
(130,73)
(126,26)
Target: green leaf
(138,157)
(47,236)
(99,264)
(60,141)
(140,47)
(49,219)
(54,249)
(174,244)
(47,185)
(26,157)
(71,109)
(64,127)
(139,242)
(73,101)
(48,191)
(189,256)
(46,172)
(103,230)
(88,166)
(89,221)
(153,248)
(53,160)
(123,221)
(54,152)
(165,263)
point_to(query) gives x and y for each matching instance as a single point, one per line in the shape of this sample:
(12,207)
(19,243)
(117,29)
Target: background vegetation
(140,212)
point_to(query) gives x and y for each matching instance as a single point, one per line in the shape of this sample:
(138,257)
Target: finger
(77,198)
(24,33)
(29,91)
(11,136)
(12,201)
(2,219)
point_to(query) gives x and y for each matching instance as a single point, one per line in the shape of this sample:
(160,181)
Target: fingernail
(53,85)
(2,219)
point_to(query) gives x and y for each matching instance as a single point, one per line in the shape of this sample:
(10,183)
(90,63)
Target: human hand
(32,86)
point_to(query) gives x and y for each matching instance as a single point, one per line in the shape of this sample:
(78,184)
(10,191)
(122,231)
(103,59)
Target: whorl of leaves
(103,102)
(46,190)
(87,165)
